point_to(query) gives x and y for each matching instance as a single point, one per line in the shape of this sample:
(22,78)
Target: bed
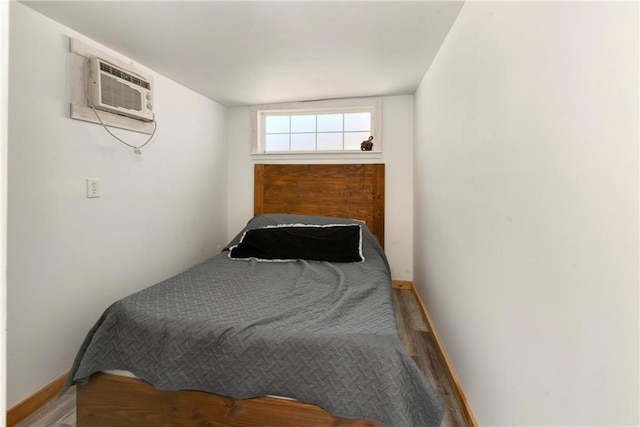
(261,339)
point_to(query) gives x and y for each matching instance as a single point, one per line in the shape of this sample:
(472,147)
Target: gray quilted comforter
(319,332)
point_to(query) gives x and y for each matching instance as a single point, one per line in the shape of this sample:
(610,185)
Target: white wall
(526,209)
(397,137)
(4,82)
(70,257)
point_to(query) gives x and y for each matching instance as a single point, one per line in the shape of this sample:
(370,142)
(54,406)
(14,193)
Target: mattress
(315,331)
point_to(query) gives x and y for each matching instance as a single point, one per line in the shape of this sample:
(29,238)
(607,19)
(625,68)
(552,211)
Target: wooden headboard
(343,190)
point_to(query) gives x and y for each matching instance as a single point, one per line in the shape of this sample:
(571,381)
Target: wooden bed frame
(348,190)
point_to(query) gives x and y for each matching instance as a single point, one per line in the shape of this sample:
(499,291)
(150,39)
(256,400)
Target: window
(321,127)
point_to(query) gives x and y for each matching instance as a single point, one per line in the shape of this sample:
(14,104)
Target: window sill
(318,155)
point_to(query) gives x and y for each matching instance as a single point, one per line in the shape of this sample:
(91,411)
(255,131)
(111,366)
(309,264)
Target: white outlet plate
(93,188)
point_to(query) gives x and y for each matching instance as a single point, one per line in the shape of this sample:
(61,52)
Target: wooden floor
(420,345)
(418,341)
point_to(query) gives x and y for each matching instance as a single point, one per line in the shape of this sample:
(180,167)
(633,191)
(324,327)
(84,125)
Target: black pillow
(287,242)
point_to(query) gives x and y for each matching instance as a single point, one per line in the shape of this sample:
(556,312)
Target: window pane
(303,123)
(277,142)
(352,140)
(330,122)
(330,141)
(357,121)
(303,141)
(276,124)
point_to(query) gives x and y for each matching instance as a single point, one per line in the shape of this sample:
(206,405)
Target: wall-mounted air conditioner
(119,91)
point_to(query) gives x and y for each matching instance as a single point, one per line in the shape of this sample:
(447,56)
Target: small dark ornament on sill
(367,145)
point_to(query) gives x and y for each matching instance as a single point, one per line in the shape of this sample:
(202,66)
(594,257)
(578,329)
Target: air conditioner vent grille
(123,75)
(120,95)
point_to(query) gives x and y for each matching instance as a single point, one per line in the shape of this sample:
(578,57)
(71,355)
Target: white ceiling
(259,52)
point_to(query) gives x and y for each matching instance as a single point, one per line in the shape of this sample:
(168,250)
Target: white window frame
(258,113)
